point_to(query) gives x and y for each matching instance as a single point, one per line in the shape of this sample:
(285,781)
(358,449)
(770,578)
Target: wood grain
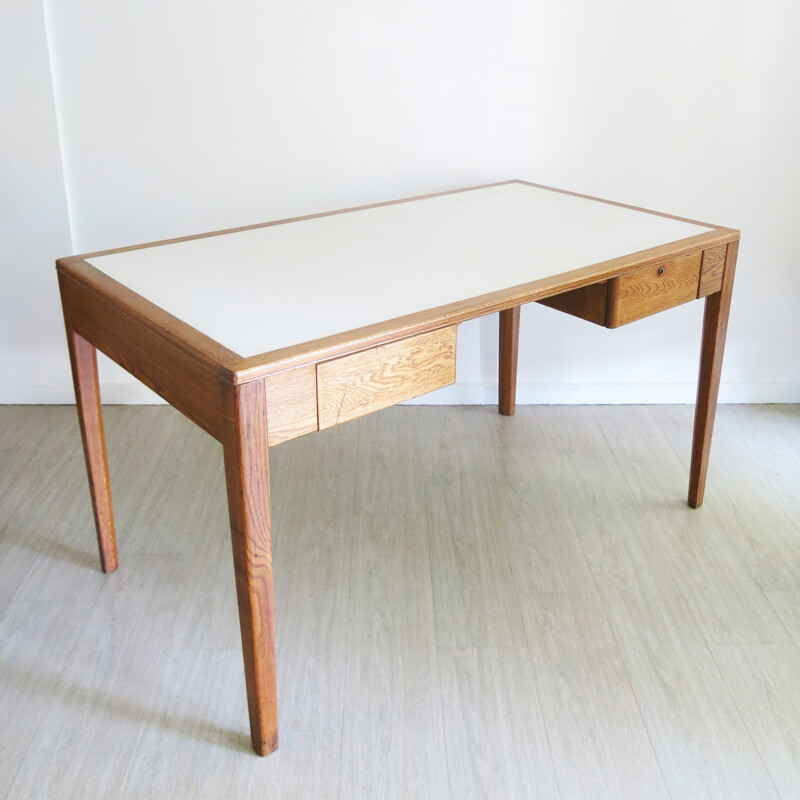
(292,403)
(246,449)
(368,381)
(185,378)
(509,347)
(647,291)
(715,327)
(712,270)
(83,358)
(588,302)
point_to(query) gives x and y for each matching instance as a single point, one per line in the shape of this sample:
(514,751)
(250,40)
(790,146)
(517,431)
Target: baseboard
(465,394)
(113,394)
(612,394)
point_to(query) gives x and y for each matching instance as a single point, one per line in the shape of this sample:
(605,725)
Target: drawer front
(648,290)
(352,386)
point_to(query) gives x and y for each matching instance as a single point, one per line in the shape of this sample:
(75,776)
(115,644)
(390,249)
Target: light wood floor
(467,606)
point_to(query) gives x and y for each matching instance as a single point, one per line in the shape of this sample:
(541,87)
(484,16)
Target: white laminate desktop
(267,288)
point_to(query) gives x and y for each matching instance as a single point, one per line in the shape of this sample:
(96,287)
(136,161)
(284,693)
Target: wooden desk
(263,334)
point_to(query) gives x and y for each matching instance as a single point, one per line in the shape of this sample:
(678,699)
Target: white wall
(177,117)
(34,228)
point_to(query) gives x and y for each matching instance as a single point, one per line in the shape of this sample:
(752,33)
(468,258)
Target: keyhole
(661,270)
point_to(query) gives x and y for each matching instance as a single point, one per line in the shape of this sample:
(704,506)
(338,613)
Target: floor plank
(44,498)
(753,477)
(707,556)
(492,710)
(392,737)
(787,607)
(704,748)
(36,641)
(597,735)
(762,679)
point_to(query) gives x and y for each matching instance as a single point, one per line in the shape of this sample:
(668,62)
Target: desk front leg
(715,326)
(246,450)
(509,347)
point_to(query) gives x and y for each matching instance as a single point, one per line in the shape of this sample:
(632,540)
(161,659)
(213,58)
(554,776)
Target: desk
(263,334)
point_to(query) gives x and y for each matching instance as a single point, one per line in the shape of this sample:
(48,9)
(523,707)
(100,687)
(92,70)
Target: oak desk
(263,334)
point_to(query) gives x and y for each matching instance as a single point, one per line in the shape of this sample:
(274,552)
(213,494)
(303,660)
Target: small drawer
(352,386)
(644,291)
(648,290)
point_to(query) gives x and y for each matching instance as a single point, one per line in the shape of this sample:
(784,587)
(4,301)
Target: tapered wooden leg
(90,414)
(509,345)
(715,326)
(247,477)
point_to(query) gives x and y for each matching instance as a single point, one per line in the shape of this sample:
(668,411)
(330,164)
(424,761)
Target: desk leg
(246,452)
(83,357)
(509,345)
(715,326)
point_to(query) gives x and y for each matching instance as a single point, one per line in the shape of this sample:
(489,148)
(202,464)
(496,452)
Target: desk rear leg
(246,450)
(509,346)
(715,326)
(83,357)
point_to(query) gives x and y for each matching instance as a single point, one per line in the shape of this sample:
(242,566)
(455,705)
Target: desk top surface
(267,288)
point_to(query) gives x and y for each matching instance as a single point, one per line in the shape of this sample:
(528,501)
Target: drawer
(352,386)
(648,290)
(644,291)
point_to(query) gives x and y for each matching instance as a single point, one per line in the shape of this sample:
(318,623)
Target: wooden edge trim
(303,218)
(254,367)
(189,340)
(366,206)
(621,205)
(188,383)
(240,369)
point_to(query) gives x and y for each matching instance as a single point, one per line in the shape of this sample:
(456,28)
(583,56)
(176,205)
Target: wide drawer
(359,384)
